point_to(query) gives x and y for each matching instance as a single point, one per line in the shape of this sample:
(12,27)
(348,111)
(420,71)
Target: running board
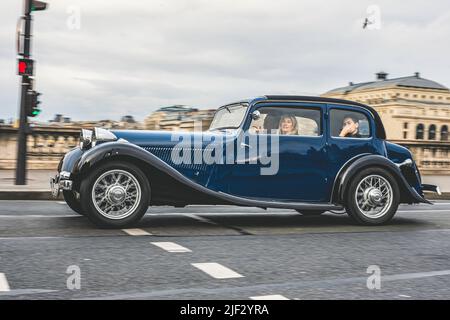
(276,204)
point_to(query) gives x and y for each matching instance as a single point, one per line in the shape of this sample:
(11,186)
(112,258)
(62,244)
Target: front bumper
(60,182)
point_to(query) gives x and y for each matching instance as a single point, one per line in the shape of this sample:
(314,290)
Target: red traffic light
(25,67)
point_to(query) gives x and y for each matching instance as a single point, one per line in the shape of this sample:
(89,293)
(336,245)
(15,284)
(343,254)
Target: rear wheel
(372,197)
(310,212)
(72,201)
(115,195)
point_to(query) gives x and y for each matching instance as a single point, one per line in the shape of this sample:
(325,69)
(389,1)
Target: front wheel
(372,197)
(115,194)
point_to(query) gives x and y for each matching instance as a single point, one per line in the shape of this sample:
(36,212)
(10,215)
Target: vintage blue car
(309,154)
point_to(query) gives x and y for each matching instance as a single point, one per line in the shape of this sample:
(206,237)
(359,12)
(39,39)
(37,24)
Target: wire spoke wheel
(374,196)
(116,194)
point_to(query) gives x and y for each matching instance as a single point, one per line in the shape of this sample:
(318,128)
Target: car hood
(147,138)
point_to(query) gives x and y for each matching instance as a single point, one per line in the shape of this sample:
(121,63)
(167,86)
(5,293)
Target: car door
(301,166)
(350,135)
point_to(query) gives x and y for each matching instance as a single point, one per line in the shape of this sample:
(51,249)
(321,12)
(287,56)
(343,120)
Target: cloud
(137,56)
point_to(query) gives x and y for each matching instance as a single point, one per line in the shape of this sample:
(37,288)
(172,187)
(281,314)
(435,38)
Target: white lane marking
(216,270)
(270,297)
(136,232)
(61,202)
(416,275)
(171,247)
(19,292)
(12,216)
(4,286)
(422,211)
(404,296)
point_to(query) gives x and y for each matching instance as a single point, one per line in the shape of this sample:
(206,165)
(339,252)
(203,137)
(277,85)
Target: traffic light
(38,5)
(33,103)
(25,67)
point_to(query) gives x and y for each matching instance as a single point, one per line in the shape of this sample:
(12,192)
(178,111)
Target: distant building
(128,119)
(415,112)
(178,117)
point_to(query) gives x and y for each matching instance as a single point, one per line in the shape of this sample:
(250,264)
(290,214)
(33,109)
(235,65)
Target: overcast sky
(134,56)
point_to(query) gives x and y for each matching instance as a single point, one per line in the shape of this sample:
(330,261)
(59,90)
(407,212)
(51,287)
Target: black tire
(134,214)
(387,212)
(72,201)
(310,212)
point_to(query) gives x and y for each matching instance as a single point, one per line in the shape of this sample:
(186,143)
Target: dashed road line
(216,270)
(136,232)
(270,297)
(171,247)
(4,286)
(404,296)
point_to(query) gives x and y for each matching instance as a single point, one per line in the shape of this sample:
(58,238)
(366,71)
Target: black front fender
(409,194)
(116,149)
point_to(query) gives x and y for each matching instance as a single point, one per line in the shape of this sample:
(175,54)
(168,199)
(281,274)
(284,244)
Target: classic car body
(113,176)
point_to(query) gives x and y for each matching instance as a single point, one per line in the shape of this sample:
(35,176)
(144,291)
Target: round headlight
(103,135)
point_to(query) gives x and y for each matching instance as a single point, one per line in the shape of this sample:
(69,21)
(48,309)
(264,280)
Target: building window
(432,132)
(444,133)
(419,131)
(405,125)
(405,135)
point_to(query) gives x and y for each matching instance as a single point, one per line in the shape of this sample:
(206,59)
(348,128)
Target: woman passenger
(288,125)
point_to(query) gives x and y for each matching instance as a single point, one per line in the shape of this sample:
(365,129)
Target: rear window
(349,124)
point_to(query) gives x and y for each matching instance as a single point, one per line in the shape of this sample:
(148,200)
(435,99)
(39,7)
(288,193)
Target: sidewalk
(37,187)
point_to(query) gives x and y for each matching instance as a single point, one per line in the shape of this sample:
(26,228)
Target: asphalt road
(219,252)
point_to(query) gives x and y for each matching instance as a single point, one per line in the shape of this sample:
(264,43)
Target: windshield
(228,117)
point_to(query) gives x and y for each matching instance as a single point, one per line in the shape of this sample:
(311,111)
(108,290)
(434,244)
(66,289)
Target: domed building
(415,112)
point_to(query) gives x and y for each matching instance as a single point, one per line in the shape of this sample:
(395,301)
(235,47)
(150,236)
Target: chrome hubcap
(116,194)
(373,196)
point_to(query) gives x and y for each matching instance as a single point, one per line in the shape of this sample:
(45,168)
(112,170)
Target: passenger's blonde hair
(294,130)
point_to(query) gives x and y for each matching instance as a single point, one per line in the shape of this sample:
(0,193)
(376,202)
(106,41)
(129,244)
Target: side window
(287,121)
(349,124)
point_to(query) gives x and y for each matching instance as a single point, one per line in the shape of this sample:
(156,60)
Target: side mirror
(256,115)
